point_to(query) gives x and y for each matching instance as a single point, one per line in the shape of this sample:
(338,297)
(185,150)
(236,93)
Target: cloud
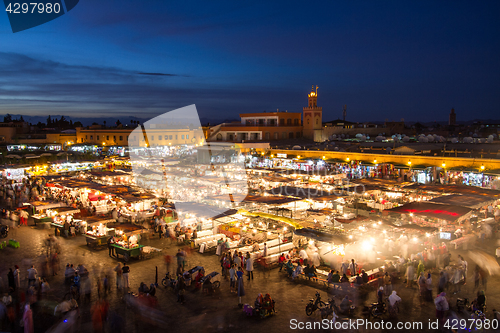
(161,74)
(34,86)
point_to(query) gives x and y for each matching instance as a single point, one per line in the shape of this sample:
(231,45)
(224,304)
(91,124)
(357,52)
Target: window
(283,135)
(290,135)
(114,138)
(276,135)
(272,122)
(91,137)
(296,122)
(176,137)
(317,121)
(182,137)
(261,121)
(82,139)
(98,138)
(267,136)
(187,136)
(307,121)
(219,137)
(297,135)
(282,122)
(289,121)
(152,138)
(85,137)
(160,137)
(170,137)
(107,137)
(121,138)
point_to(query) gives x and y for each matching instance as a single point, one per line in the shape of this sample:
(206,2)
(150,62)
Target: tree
(78,124)
(21,119)
(104,122)
(7,118)
(49,121)
(118,123)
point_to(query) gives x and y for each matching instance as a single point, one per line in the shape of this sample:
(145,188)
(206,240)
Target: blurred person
(125,276)
(442,305)
(249,266)
(17,276)
(28,319)
(32,275)
(11,280)
(118,271)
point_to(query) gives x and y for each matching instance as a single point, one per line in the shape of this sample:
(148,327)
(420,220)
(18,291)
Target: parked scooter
(169,281)
(378,309)
(4,231)
(314,304)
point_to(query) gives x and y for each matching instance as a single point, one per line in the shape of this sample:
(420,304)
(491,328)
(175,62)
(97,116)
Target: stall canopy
(91,220)
(466,200)
(321,236)
(457,189)
(440,211)
(277,179)
(301,192)
(267,199)
(283,219)
(386,183)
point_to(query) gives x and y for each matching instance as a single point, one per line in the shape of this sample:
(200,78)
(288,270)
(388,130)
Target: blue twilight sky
(383,59)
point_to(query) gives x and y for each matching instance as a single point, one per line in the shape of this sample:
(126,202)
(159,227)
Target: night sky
(383,59)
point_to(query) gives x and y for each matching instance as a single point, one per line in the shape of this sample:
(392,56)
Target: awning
(320,236)
(456,189)
(299,192)
(466,200)
(435,210)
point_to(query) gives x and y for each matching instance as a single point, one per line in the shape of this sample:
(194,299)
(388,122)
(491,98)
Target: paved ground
(202,313)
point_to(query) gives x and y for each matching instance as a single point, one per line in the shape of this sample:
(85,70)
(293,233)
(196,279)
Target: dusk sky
(383,59)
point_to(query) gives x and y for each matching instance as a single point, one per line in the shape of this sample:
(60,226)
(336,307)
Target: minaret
(313,117)
(453,118)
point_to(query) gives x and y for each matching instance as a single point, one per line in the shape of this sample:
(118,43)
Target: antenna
(344,111)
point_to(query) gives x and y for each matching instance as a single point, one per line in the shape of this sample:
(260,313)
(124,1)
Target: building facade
(261,126)
(97,135)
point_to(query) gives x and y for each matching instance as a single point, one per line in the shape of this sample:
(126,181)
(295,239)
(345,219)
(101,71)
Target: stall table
(127,253)
(96,241)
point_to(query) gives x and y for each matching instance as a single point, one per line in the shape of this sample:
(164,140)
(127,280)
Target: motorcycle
(314,304)
(168,281)
(4,231)
(330,309)
(377,309)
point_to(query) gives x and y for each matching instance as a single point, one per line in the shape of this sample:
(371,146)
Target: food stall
(127,243)
(39,210)
(97,233)
(62,214)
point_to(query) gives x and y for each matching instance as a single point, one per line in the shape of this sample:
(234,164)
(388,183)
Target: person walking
(410,274)
(125,273)
(32,272)
(119,272)
(442,306)
(232,278)
(28,319)
(241,289)
(387,284)
(249,265)
(17,276)
(11,280)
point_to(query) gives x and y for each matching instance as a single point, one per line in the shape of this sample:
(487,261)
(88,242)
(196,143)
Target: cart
(188,275)
(214,278)
(127,253)
(96,241)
